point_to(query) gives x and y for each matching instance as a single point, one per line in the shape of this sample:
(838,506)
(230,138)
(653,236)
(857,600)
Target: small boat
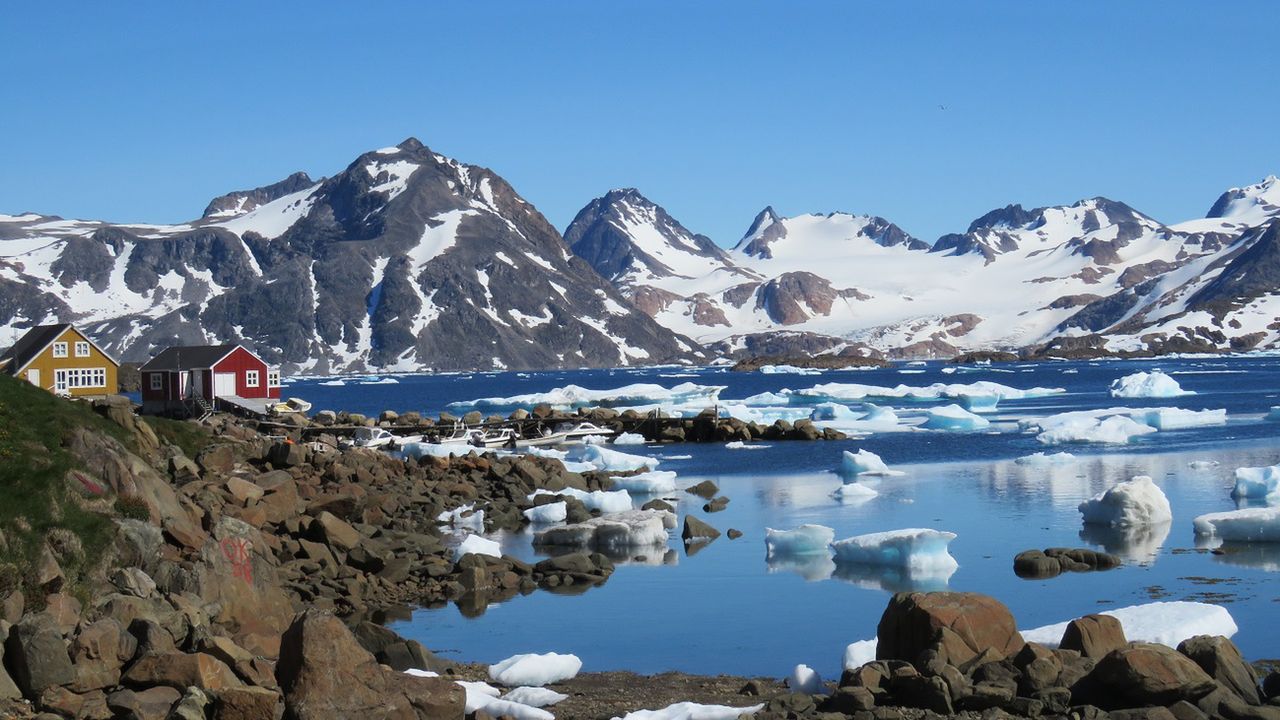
(578,431)
(379,437)
(547,437)
(460,435)
(292,405)
(504,437)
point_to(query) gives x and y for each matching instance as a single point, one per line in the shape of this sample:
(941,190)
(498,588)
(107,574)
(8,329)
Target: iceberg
(865,462)
(1179,419)
(739,445)
(1089,426)
(854,491)
(1127,504)
(612,460)
(535,670)
(787,370)
(573,397)
(804,540)
(649,483)
(546,514)
(1247,525)
(615,532)
(979,403)
(1154,384)
(956,418)
(1273,413)
(845,392)
(1044,459)
(606,501)
(476,545)
(628,439)
(916,549)
(546,453)
(805,679)
(833,411)
(1257,483)
(693,711)
(537,697)
(1164,623)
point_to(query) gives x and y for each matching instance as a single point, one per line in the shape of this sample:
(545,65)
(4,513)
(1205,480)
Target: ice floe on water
(547,514)
(1045,459)
(628,439)
(613,532)
(1154,384)
(1247,525)
(535,670)
(1117,425)
(865,462)
(649,483)
(919,550)
(853,492)
(954,418)
(476,545)
(1257,483)
(574,397)
(606,501)
(614,460)
(463,517)
(693,711)
(1203,464)
(787,370)
(804,540)
(739,445)
(1179,419)
(1136,502)
(1164,623)
(846,392)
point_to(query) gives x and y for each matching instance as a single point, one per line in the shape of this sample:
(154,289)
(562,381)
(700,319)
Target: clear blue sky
(144,111)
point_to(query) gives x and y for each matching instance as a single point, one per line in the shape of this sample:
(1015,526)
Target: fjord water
(726,610)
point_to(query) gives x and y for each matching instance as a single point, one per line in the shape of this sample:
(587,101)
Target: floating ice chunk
(546,514)
(1179,419)
(877,419)
(739,445)
(606,459)
(844,392)
(833,411)
(1257,483)
(1126,504)
(1247,525)
(476,545)
(617,531)
(916,549)
(573,397)
(628,439)
(1041,459)
(606,501)
(464,517)
(859,653)
(1165,623)
(805,679)
(954,417)
(787,370)
(865,462)
(804,540)
(1274,413)
(693,711)
(1203,464)
(854,491)
(980,403)
(1154,384)
(535,696)
(577,467)
(649,483)
(1089,427)
(333,383)
(535,670)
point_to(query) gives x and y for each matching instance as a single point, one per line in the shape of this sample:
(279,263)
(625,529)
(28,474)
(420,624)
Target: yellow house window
(59,349)
(82,349)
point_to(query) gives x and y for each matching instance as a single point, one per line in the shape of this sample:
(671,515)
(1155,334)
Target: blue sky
(143,112)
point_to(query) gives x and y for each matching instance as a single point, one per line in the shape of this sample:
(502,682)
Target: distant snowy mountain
(1015,278)
(405,260)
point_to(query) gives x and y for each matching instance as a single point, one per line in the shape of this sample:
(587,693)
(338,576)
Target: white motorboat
(503,437)
(577,431)
(547,437)
(373,437)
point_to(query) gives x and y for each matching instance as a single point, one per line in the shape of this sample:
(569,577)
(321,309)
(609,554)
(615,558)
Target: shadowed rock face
(1253,272)
(242,201)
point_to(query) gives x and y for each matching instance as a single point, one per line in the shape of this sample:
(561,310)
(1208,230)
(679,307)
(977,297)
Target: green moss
(190,437)
(34,496)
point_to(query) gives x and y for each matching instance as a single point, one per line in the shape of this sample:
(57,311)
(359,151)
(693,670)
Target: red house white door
(224,384)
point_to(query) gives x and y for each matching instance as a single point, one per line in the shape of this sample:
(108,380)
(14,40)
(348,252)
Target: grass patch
(190,437)
(35,501)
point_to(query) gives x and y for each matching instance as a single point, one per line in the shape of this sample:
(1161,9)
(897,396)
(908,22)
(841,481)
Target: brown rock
(181,670)
(324,674)
(65,611)
(37,656)
(1140,675)
(1093,636)
(237,574)
(1220,658)
(150,704)
(959,626)
(335,532)
(244,491)
(246,703)
(98,652)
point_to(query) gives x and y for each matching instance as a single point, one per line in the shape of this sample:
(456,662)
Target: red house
(196,380)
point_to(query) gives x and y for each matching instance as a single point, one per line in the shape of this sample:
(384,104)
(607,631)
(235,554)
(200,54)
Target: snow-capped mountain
(405,260)
(1015,278)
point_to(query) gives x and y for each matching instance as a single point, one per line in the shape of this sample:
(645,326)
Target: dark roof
(188,357)
(30,345)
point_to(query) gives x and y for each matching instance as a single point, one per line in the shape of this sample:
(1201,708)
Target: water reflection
(809,567)
(893,579)
(1260,556)
(1138,544)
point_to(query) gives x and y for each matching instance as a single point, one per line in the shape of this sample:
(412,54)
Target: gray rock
(696,530)
(37,655)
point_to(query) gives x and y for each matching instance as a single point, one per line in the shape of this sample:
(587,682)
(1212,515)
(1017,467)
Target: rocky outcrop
(243,201)
(956,626)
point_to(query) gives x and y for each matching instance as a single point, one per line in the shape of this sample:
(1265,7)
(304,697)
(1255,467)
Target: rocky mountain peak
(240,202)
(1260,199)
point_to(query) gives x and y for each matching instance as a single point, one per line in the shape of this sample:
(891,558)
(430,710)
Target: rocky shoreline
(246,575)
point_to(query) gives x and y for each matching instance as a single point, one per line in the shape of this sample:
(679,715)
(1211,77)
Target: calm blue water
(726,610)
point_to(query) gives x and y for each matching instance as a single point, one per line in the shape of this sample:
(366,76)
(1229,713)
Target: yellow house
(62,360)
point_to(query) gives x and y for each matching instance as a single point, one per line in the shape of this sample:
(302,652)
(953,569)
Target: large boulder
(324,673)
(1093,636)
(1220,658)
(237,575)
(180,671)
(1141,675)
(37,656)
(958,626)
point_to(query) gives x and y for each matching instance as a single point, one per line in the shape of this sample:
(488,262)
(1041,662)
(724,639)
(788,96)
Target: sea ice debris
(956,418)
(535,670)
(1154,384)
(1136,502)
(806,680)
(649,483)
(537,697)
(476,545)
(804,540)
(916,549)
(613,460)
(693,711)
(1257,483)
(546,514)
(1165,623)
(1247,525)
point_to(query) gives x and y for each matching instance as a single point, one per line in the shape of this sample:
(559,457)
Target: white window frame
(66,379)
(82,348)
(60,349)
(273,378)
(251,378)
(157,381)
